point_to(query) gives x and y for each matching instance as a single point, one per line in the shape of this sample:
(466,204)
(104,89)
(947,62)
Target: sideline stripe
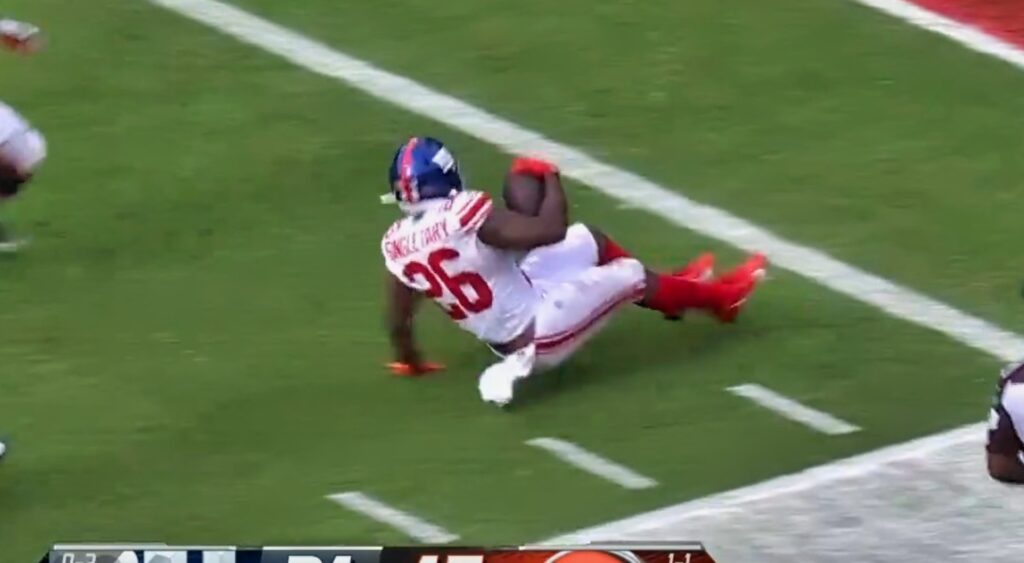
(968,36)
(672,517)
(615,182)
(410,525)
(783,405)
(1002,19)
(593,463)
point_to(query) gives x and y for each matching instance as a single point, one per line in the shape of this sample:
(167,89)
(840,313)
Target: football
(523,193)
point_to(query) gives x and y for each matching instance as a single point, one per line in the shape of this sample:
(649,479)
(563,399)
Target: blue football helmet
(422,169)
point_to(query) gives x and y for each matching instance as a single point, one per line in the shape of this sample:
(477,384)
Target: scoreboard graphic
(590,553)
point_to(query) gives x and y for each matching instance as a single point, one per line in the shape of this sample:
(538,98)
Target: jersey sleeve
(470,211)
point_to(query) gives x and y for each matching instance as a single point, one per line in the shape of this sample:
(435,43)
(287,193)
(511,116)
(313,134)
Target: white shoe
(497,383)
(3,449)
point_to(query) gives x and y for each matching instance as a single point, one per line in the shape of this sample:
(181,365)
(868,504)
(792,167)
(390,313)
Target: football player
(22,147)
(1005,447)
(532,287)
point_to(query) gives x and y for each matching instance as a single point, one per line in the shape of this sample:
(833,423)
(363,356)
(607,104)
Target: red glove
(408,370)
(533,167)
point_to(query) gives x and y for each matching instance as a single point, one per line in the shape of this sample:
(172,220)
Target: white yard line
(409,524)
(594,464)
(964,34)
(617,183)
(784,406)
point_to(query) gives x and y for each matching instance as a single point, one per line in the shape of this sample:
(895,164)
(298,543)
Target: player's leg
(563,260)
(570,312)
(585,246)
(700,268)
(724,296)
(693,286)
(690,287)
(574,311)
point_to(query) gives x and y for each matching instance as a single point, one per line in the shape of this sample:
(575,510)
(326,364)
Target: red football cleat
(701,268)
(739,284)
(756,265)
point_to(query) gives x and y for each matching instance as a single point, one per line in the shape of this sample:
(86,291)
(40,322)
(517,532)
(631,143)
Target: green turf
(192,348)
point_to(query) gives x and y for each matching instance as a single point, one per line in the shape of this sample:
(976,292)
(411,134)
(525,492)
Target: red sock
(675,294)
(612,251)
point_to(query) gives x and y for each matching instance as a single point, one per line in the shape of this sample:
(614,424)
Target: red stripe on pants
(546,344)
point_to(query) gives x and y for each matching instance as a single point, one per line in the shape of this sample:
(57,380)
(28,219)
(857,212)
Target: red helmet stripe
(405,171)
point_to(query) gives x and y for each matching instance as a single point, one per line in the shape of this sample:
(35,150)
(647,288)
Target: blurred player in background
(22,147)
(523,281)
(1005,448)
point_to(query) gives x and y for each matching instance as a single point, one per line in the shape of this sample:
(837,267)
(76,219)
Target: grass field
(192,348)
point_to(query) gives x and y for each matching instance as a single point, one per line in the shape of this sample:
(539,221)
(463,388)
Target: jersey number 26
(440,280)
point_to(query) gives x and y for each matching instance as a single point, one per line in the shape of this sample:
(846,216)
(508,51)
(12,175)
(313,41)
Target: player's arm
(402,302)
(401,311)
(507,229)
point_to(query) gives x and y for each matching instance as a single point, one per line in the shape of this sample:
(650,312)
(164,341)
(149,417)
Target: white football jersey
(438,254)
